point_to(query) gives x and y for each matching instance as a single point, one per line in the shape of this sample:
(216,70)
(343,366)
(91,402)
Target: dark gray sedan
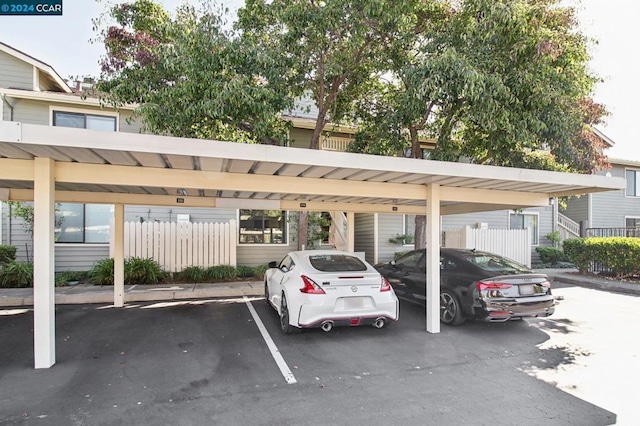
(473,285)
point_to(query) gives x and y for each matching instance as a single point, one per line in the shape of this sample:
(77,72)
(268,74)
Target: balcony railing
(335,144)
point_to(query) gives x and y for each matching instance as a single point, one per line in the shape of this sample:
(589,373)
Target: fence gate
(514,244)
(178,245)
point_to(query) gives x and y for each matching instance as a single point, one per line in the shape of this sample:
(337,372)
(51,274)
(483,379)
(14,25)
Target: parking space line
(282,364)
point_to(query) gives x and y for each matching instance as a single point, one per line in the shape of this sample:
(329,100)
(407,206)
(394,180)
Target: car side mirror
(273,264)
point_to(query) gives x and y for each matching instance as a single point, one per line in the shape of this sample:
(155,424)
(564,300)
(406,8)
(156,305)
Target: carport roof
(95,166)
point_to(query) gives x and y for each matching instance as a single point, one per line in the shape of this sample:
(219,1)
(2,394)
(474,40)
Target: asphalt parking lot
(207,362)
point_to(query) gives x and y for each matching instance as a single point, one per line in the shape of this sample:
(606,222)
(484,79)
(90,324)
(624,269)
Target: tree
(330,51)
(189,75)
(495,82)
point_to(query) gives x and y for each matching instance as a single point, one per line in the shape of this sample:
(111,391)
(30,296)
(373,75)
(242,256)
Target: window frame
(535,237)
(83,111)
(84,227)
(636,183)
(285,240)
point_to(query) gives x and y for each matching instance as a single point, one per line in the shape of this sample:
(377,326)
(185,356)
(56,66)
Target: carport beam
(433,258)
(44,330)
(118,256)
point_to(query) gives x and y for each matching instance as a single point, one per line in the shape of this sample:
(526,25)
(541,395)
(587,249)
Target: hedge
(620,254)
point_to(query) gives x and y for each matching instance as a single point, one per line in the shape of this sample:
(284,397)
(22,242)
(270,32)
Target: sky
(64,42)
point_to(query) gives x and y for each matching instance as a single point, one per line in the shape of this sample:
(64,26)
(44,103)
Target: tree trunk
(303,225)
(420,236)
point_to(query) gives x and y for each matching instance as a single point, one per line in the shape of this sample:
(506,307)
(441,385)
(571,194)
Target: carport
(55,164)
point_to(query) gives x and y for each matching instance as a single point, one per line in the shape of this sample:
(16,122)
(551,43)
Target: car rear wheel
(450,310)
(284,318)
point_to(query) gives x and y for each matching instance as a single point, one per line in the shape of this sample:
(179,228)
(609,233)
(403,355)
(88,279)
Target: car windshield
(336,263)
(492,263)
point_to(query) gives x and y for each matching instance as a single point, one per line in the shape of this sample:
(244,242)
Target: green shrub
(193,274)
(245,271)
(550,255)
(620,254)
(102,272)
(62,278)
(139,270)
(15,274)
(136,271)
(7,254)
(221,272)
(259,271)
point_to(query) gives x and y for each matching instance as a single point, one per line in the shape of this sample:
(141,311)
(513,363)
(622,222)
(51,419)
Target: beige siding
(364,238)
(169,214)
(389,226)
(128,124)
(577,208)
(261,254)
(14,73)
(495,219)
(299,138)
(31,112)
(79,257)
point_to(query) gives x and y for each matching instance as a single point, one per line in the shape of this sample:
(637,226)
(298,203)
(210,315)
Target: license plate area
(526,290)
(354,303)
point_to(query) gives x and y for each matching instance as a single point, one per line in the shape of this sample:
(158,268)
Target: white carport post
(118,255)
(44,329)
(433,258)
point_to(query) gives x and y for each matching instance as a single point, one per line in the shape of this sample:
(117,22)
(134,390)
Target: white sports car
(327,288)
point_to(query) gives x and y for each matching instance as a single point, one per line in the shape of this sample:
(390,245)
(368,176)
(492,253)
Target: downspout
(4,101)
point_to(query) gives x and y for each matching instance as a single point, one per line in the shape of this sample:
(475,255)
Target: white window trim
(286,213)
(88,111)
(637,189)
(511,212)
(404,230)
(630,217)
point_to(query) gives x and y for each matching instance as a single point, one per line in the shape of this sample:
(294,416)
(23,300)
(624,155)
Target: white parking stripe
(282,364)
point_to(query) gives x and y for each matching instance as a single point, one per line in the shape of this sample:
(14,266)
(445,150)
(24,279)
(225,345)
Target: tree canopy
(500,82)
(189,75)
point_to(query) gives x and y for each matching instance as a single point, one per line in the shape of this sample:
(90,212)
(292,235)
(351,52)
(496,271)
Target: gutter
(4,101)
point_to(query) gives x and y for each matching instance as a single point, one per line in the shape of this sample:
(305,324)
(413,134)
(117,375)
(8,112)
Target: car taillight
(310,286)
(545,284)
(491,285)
(385,285)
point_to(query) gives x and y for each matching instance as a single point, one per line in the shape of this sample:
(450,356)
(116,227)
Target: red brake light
(491,285)
(545,284)
(310,286)
(386,286)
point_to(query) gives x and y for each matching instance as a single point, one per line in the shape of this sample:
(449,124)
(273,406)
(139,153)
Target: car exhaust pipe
(379,322)
(327,326)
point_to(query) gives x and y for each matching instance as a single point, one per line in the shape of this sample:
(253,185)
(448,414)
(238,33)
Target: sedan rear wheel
(450,310)
(284,318)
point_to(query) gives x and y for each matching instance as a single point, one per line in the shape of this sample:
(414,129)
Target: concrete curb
(596,283)
(135,293)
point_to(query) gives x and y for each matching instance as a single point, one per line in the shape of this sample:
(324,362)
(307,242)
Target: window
(632,222)
(263,227)
(414,259)
(523,221)
(633,183)
(83,223)
(409,228)
(84,121)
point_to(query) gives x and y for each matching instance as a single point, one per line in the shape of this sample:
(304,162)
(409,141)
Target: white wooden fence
(514,244)
(178,245)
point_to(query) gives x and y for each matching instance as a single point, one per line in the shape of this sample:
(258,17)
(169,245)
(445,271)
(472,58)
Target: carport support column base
(433,258)
(44,328)
(118,256)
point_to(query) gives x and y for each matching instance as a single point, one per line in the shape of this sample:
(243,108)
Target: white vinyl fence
(514,244)
(178,245)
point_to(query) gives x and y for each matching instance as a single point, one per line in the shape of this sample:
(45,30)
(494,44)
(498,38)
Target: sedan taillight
(310,286)
(491,285)
(385,285)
